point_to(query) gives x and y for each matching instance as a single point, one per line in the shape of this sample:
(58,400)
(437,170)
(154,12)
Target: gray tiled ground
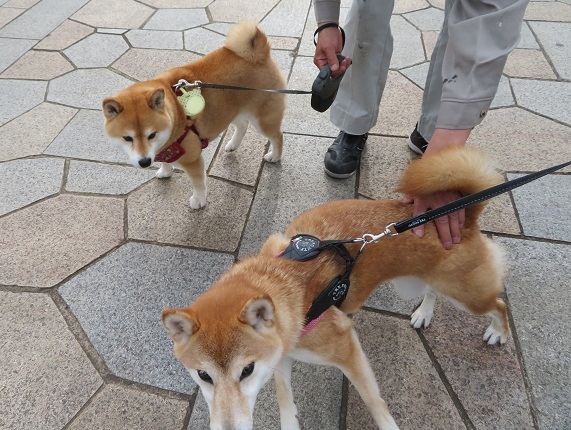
(93,249)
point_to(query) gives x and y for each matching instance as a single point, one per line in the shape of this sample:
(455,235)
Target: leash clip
(371,238)
(183,83)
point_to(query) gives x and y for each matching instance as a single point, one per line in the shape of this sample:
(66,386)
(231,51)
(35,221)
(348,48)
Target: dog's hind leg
(423,314)
(499,328)
(241,124)
(288,411)
(270,125)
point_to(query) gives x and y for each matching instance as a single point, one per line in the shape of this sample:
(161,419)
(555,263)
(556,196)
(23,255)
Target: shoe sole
(413,147)
(338,175)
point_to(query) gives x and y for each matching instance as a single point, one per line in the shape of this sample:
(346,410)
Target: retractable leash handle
(324,88)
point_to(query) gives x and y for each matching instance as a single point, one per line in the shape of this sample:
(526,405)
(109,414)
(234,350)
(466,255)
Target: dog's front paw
(271,158)
(420,318)
(493,335)
(165,171)
(197,202)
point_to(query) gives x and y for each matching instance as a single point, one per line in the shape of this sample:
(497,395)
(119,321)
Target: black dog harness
(304,247)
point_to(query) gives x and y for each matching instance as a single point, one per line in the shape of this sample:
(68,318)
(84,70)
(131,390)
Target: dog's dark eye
(204,376)
(152,135)
(247,371)
(128,138)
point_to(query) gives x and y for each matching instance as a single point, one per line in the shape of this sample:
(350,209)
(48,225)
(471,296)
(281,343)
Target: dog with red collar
(151,122)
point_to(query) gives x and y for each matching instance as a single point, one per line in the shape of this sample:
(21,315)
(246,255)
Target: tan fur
(245,61)
(470,274)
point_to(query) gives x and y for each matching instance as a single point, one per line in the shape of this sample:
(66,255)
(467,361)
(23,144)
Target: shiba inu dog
(250,323)
(149,123)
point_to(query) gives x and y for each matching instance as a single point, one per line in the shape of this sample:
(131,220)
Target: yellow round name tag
(192,101)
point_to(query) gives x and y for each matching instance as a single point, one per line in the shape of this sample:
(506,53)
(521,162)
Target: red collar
(174,151)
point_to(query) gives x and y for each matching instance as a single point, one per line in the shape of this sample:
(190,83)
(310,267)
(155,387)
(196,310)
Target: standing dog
(251,322)
(147,119)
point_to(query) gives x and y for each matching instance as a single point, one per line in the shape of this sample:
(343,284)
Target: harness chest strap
(174,151)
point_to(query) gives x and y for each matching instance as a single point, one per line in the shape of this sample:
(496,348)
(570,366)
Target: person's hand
(448,226)
(329,44)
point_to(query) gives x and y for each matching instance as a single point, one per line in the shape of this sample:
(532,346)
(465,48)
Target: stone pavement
(93,249)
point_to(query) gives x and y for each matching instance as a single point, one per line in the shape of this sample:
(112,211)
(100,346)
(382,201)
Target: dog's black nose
(145,162)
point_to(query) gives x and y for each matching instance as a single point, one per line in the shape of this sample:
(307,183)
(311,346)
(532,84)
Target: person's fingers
(454,223)
(443,228)
(461,218)
(407,200)
(418,207)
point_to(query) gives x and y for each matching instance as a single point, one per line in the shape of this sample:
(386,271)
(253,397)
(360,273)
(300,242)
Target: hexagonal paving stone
(24,95)
(430,19)
(98,178)
(294,12)
(177,19)
(538,289)
(482,376)
(155,39)
(97,50)
(145,64)
(544,206)
(12,49)
(63,36)
(7,14)
(382,166)
(38,65)
(164,4)
(44,243)
(528,63)
(46,377)
(41,20)
(405,376)
(202,41)
(32,132)
(400,107)
(554,39)
(527,39)
(86,88)
(84,138)
(522,141)
(317,395)
(240,10)
(116,406)
(118,302)
(407,46)
(547,98)
(243,164)
(26,181)
(113,14)
(160,212)
(287,188)
(404,6)
(548,11)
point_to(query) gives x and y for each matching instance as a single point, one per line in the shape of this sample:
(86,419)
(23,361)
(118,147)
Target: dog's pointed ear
(111,108)
(179,324)
(157,99)
(258,312)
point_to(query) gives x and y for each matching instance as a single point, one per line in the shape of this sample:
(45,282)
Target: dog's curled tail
(246,40)
(456,168)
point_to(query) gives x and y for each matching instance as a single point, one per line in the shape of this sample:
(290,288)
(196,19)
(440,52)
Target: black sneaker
(416,142)
(344,155)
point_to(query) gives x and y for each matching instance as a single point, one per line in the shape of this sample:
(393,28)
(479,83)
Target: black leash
(472,199)
(199,84)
